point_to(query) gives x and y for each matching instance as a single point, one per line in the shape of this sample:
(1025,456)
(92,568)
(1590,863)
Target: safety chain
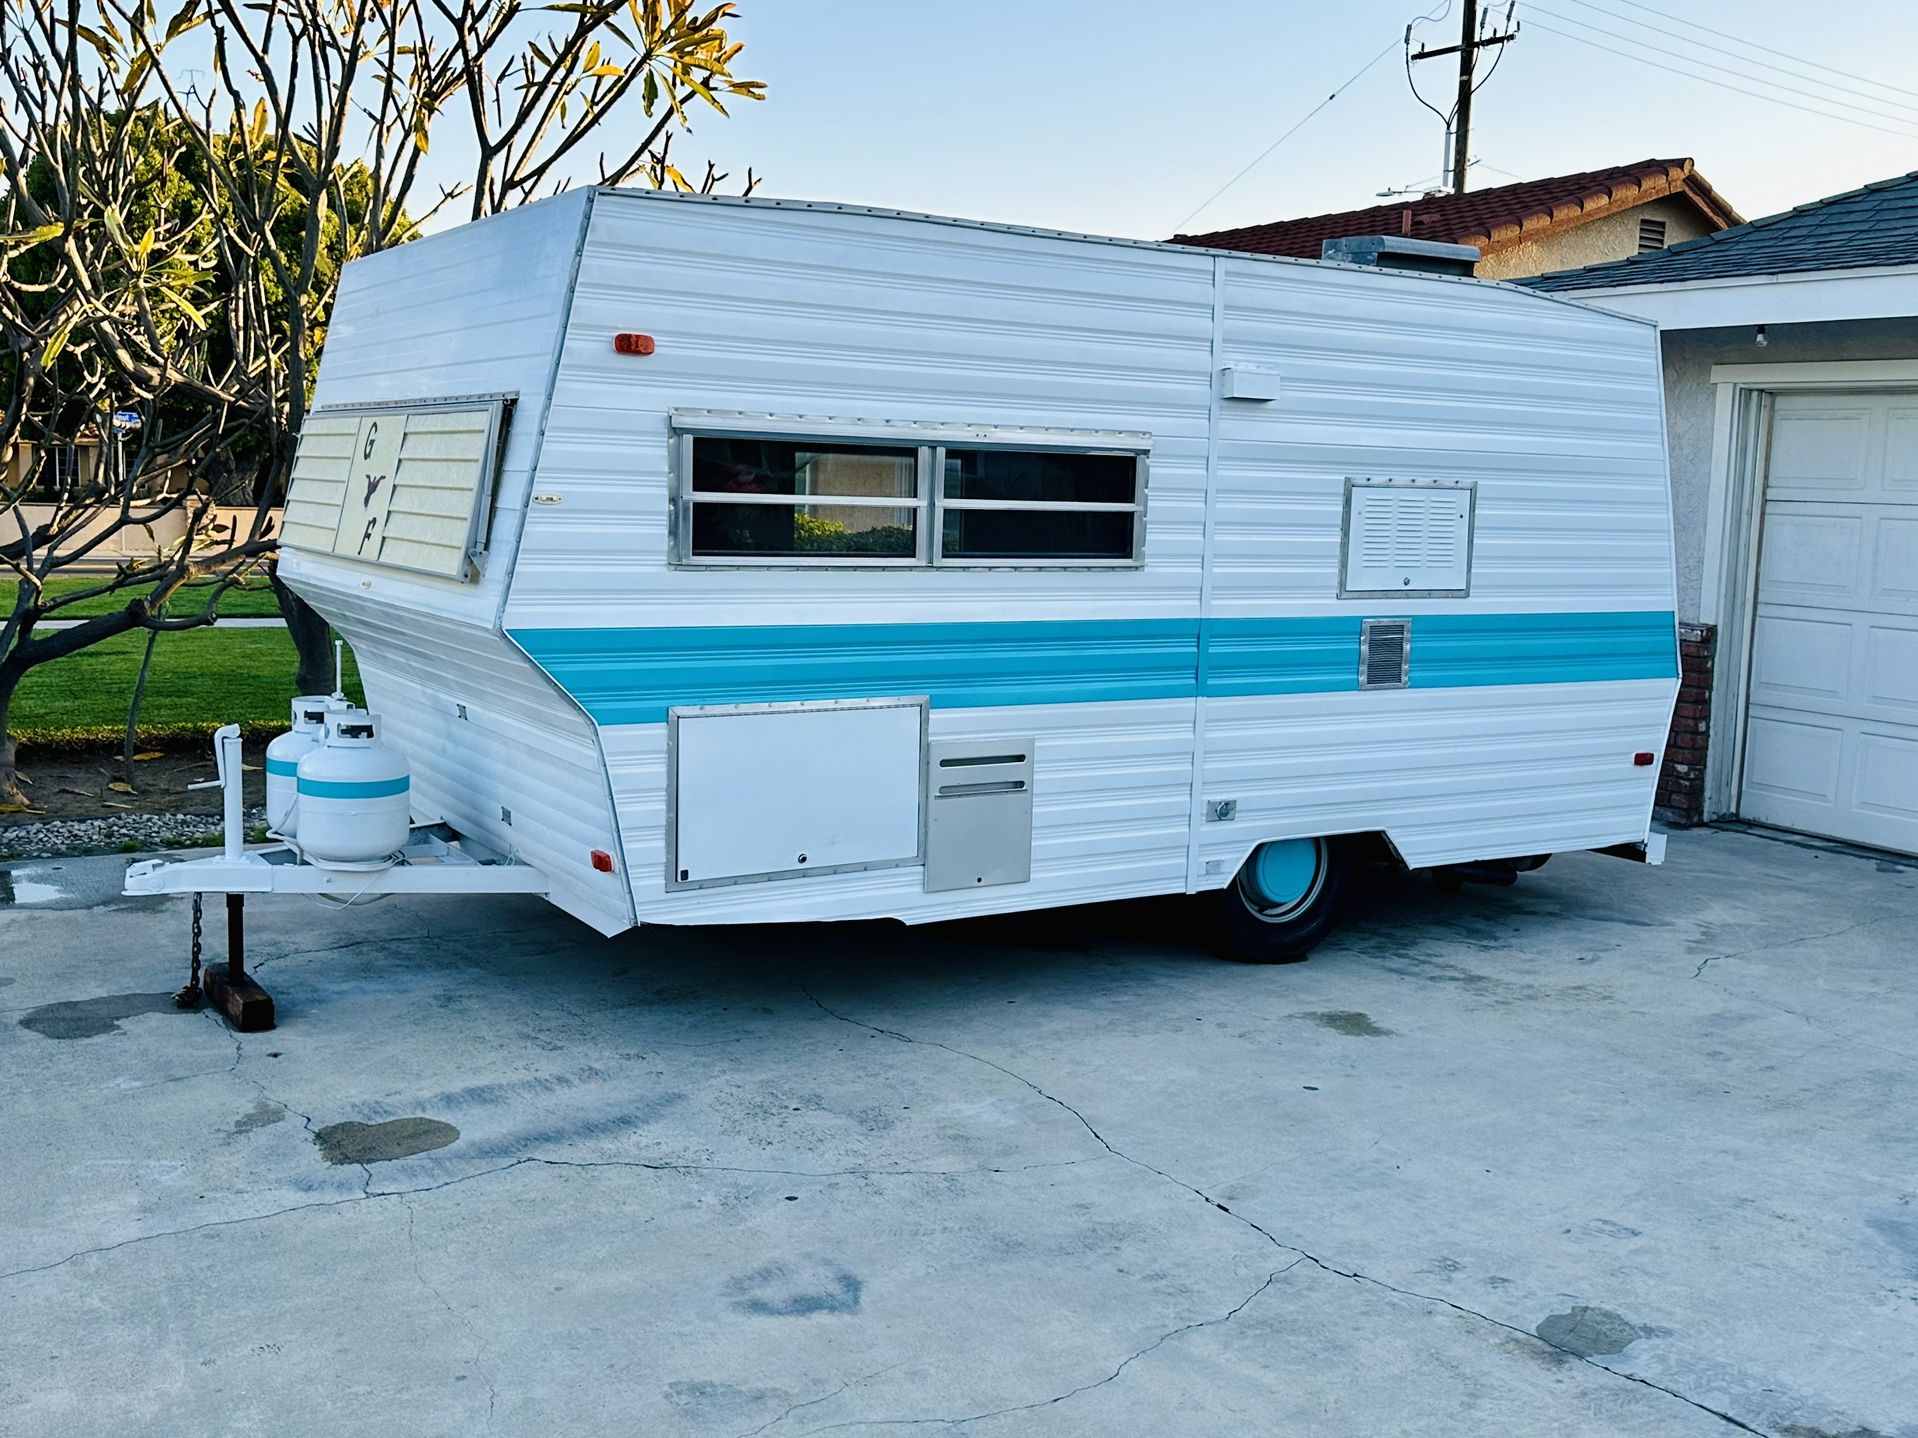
(190,996)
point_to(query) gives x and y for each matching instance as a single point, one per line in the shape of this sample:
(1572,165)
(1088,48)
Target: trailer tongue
(432,859)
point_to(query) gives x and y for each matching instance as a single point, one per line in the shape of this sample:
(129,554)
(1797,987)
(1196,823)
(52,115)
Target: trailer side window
(775,490)
(767,499)
(1011,505)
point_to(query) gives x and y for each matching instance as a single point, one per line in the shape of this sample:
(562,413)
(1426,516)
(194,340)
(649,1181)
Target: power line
(1639,59)
(1752,60)
(1769,50)
(1823,99)
(1300,125)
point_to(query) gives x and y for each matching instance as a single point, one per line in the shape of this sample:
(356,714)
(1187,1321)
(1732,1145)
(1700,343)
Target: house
(1790,348)
(1522,229)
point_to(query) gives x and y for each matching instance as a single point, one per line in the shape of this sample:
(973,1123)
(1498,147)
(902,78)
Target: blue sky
(1122,116)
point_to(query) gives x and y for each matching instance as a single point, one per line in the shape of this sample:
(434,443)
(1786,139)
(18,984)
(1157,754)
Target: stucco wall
(1611,237)
(1691,405)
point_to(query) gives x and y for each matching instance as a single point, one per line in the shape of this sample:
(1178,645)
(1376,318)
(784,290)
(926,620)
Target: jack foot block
(247,1006)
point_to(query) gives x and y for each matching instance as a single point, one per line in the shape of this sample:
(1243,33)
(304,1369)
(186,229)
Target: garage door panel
(1811,556)
(1831,734)
(1891,671)
(1801,659)
(1792,758)
(1901,452)
(1894,563)
(1888,775)
(1820,446)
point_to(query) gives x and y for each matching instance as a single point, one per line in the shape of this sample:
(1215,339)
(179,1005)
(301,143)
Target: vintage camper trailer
(711,561)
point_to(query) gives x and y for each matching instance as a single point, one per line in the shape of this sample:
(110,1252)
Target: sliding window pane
(761,466)
(1004,474)
(1037,534)
(787,531)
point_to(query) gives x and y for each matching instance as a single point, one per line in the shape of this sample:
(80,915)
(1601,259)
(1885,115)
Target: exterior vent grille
(1385,653)
(1651,235)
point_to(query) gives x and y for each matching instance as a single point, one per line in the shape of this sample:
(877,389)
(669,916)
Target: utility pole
(1470,42)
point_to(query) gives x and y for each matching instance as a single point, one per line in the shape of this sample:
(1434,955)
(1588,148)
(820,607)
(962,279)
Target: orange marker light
(602,861)
(1643,758)
(631,344)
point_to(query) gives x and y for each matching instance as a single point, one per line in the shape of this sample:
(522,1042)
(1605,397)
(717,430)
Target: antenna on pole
(1473,37)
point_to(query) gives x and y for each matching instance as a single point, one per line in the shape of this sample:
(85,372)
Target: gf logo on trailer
(369,498)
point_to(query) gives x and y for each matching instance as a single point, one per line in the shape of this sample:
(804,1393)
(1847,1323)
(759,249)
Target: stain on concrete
(6,982)
(1605,1228)
(708,1401)
(798,1288)
(90,1018)
(382,1142)
(1901,1234)
(1589,1332)
(1812,1430)
(263,1113)
(1350,1022)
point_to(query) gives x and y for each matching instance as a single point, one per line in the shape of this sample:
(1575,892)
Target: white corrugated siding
(477,310)
(792,310)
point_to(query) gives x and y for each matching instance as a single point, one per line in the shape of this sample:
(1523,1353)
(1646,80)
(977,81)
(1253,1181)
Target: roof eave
(1803,297)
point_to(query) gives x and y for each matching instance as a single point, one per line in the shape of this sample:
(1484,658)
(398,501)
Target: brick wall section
(1681,782)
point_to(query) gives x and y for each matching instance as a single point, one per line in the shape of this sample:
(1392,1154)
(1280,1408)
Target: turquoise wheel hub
(1286,872)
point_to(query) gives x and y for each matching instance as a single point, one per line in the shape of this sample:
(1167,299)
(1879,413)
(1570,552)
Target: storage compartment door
(769,791)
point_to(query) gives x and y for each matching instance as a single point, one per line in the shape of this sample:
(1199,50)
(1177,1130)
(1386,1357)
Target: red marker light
(631,344)
(602,861)
(1643,759)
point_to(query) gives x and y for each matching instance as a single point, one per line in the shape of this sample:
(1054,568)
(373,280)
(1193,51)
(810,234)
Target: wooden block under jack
(247,1006)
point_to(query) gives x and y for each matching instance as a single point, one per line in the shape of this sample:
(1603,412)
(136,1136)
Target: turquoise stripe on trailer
(353,788)
(633,676)
(1451,651)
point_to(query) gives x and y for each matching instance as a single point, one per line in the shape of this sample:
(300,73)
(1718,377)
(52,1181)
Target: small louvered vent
(1385,653)
(1651,235)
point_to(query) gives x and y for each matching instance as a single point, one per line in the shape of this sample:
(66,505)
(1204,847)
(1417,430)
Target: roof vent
(1651,235)
(1400,252)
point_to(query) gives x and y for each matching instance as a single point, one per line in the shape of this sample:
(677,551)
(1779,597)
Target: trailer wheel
(1283,901)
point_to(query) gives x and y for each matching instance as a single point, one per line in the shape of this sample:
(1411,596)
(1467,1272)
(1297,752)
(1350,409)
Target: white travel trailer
(718,561)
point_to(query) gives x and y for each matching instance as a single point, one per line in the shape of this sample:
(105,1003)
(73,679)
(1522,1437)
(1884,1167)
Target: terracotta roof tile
(1493,219)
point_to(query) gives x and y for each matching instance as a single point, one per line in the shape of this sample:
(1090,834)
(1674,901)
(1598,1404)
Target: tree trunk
(10,790)
(312,639)
(133,709)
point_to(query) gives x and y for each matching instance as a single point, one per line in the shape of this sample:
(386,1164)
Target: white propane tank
(355,796)
(283,757)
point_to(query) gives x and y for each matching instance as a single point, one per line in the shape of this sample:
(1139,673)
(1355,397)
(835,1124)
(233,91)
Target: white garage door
(1831,740)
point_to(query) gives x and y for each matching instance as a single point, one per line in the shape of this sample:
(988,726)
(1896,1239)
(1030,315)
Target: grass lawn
(201,678)
(252,598)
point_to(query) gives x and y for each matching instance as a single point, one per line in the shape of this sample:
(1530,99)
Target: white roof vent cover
(1407,537)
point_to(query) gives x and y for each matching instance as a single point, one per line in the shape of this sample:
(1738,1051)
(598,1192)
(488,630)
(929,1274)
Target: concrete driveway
(1617,1151)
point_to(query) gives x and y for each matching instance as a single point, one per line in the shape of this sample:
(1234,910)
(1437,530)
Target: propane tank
(283,757)
(355,795)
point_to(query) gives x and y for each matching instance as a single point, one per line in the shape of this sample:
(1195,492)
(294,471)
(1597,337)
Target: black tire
(1253,928)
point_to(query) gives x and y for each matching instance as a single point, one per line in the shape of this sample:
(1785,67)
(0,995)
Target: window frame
(930,443)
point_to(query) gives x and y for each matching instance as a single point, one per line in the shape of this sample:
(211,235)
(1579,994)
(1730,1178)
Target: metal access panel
(770,791)
(979,813)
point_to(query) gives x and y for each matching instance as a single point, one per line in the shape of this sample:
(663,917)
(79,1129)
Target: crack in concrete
(1124,1363)
(779,1418)
(1304,1255)
(367,1192)
(1711,959)
(362,1197)
(239,1052)
(479,1344)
